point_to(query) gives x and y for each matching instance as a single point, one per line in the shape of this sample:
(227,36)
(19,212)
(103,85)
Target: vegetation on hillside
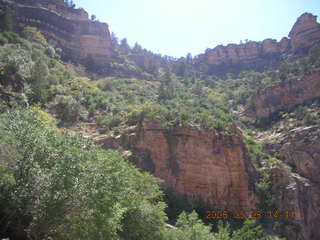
(57,186)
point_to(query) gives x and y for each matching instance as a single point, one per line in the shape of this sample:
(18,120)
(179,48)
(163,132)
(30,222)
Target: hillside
(100,140)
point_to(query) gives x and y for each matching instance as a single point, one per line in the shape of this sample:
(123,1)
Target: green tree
(137,48)
(165,91)
(65,187)
(249,231)
(114,39)
(39,80)
(189,226)
(189,58)
(223,232)
(6,20)
(124,46)
(93,17)
(68,109)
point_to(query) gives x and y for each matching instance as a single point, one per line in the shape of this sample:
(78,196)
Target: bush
(109,123)
(249,231)
(67,108)
(190,227)
(32,34)
(3,40)
(50,52)
(12,37)
(6,20)
(39,81)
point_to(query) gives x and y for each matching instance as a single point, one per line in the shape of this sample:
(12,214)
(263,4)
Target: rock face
(294,192)
(258,55)
(80,38)
(195,162)
(301,150)
(305,32)
(283,96)
(298,189)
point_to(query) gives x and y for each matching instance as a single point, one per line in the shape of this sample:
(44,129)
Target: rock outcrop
(214,166)
(259,55)
(305,33)
(196,162)
(299,194)
(283,96)
(301,150)
(297,186)
(81,39)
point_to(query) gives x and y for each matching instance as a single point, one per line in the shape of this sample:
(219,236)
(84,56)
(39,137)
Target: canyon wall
(297,193)
(84,40)
(196,162)
(299,188)
(81,39)
(259,55)
(215,167)
(283,96)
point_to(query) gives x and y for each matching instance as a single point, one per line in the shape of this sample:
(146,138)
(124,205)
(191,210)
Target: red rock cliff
(80,38)
(304,34)
(296,186)
(195,162)
(297,193)
(283,96)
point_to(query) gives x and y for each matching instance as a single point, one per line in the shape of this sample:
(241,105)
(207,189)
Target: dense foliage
(59,186)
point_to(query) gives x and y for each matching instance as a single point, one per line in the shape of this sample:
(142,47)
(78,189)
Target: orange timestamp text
(253,214)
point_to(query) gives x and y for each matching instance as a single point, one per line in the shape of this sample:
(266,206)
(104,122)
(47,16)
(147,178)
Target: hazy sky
(176,27)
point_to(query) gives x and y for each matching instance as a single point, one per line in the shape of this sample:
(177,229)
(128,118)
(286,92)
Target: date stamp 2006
(254,214)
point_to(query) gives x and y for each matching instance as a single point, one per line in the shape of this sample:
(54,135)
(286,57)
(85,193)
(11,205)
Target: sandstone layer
(258,55)
(283,96)
(196,162)
(81,39)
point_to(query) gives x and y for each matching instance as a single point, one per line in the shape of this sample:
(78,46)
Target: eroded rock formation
(305,32)
(283,96)
(258,55)
(195,162)
(81,39)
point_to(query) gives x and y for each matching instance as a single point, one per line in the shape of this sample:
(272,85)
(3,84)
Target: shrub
(6,20)
(190,227)
(249,231)
(67,108)
(39,81)
(107,123)
(33,35)
(3,40)
(12,37)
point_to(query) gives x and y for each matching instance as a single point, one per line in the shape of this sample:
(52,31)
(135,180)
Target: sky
(178,27)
